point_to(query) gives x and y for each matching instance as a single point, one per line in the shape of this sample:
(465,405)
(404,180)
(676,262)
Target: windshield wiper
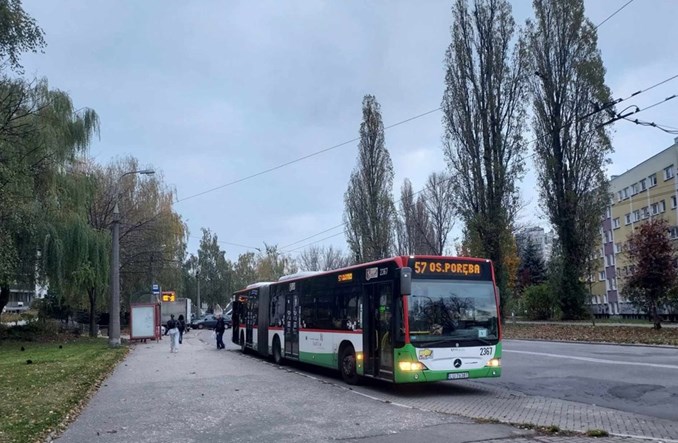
(454,340)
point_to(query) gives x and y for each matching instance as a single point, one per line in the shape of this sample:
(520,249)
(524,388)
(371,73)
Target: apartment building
(647,190)
(539,237)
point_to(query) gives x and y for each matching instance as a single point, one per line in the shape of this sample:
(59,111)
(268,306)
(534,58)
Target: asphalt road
(637,379)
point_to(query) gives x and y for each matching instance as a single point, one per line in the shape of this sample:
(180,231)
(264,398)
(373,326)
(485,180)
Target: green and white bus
(404,319)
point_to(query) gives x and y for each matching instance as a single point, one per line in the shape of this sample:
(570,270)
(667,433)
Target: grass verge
(41,396)
(588,333)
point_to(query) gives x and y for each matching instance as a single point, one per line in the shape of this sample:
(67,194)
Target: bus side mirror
(405,281)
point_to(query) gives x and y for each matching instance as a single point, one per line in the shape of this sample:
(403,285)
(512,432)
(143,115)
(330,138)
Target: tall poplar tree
(369,209)
(571,148)
(414,229)
(484,118)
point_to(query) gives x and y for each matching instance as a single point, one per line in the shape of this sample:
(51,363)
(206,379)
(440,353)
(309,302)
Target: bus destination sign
(449,268)
(345,277)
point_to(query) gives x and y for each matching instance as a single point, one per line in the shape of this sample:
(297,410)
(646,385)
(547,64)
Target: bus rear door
(249,321)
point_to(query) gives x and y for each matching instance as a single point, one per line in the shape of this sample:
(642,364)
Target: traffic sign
(155,289)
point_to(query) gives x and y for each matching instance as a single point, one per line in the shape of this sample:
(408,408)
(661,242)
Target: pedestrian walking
(181,325)
(219,329)
(173,331)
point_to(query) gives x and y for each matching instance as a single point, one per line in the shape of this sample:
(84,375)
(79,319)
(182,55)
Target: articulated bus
(402,319)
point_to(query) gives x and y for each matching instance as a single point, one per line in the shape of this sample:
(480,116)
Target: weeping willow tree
(78,258)
(42,139)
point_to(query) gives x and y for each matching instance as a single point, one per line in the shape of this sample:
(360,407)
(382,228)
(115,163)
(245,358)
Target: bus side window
(307,302)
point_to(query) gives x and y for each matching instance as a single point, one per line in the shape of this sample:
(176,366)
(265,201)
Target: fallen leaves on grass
(588,333)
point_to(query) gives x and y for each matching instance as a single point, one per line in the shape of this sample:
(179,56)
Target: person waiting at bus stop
(181,325)
(219,329)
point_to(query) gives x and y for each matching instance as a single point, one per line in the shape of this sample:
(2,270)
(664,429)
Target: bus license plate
(457,375)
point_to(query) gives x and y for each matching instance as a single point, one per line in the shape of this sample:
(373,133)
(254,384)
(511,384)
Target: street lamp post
(197,280)
(114,308)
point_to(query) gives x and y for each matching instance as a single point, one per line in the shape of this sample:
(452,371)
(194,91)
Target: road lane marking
(596,360)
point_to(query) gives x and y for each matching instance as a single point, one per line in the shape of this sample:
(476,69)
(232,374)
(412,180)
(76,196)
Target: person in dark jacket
(219,329)
(181,325)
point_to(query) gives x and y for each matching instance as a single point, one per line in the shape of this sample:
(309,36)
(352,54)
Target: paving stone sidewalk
(482,401)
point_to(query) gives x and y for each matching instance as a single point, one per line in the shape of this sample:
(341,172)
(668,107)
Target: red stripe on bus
(275,328)
(338,331)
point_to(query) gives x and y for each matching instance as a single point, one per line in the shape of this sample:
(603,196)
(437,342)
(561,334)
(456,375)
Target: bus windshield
(442,311)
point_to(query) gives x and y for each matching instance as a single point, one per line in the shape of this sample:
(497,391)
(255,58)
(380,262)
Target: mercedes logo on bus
(457,363)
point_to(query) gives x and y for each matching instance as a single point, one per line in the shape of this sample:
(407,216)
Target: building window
(635,188)
(627,219)
(619,196)
(601,276)
(653,180)
(674,232)
(636,215)
(608,212)
(643,184)
(617,248)
(668,173)
(609,260)
(673,202)
(662,206)
(655,208)
(608,236)
(615,223)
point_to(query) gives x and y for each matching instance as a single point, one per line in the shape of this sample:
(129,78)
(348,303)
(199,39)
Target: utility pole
(114,311)
(114,307)
(197,279)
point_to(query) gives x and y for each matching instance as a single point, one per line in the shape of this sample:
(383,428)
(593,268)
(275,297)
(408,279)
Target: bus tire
(277,353)
(347,365)
(243,348)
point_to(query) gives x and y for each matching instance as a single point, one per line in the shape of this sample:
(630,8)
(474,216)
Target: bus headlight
(494,363)
(411,366)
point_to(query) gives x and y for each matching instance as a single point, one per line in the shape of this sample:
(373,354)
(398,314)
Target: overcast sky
(209,92)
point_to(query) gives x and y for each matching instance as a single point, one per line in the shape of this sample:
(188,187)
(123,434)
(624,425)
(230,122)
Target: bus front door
(377,336)
(292,325)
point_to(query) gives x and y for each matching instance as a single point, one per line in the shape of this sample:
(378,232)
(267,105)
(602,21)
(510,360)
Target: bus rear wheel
(347,366)
(277,354)
(243,348)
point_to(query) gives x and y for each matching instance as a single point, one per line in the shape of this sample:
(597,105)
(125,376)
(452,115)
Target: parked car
(209,321)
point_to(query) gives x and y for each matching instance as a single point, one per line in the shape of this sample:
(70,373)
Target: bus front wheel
(347,366)
(243,348)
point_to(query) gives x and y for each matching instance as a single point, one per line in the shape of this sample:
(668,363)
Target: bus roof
(299,275)
(400,260)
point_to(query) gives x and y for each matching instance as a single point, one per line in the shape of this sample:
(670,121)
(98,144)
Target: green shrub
(539,302)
